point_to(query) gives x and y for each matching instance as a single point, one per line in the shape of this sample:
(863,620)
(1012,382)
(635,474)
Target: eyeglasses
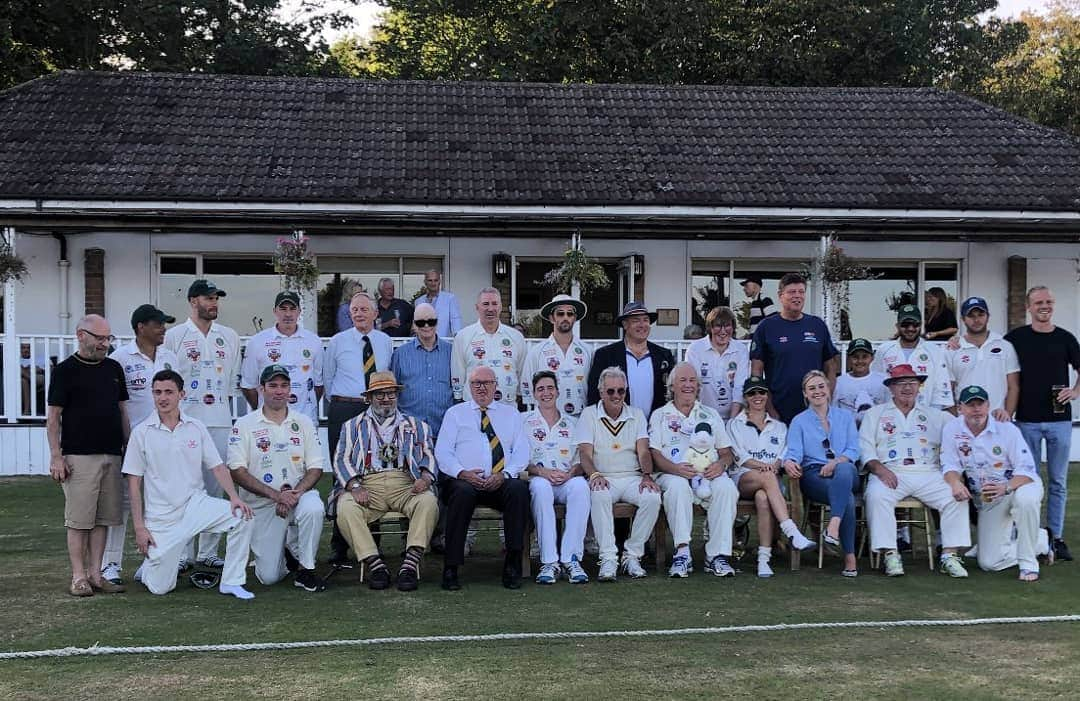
(481,383)
(385,394)
(829,454)
(755,393)
(110,338)
(420,323)
(724,325)
(615,391)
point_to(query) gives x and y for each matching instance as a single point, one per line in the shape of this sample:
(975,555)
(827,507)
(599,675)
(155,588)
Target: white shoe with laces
(632,567)
(608,571)
(574,572)
(680,567)
(548,574)
(111,573)
(235,590)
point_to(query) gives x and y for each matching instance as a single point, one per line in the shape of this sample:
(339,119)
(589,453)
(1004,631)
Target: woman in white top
(758,441)
(556,476)
(722,363)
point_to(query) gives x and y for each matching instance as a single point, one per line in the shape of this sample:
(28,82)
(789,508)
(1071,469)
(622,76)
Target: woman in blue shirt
(823,445)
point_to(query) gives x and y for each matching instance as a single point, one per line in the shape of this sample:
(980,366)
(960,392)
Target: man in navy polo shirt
(790,344)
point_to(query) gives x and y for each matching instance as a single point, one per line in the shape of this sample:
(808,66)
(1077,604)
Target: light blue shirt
(806,437)
(446,310)
(425,375)
(343,364)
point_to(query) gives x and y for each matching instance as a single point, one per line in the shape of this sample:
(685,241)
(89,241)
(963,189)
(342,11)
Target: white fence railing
(37,355)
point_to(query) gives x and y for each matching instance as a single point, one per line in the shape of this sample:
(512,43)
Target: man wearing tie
(352,357)
(481,449)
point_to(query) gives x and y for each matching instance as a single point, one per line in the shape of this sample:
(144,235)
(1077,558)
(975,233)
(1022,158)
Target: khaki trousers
(387,491)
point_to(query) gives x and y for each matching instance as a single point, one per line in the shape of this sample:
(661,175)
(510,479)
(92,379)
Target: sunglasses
(755,393)
(829,454)
(570,314)
(420,323)
(615,391)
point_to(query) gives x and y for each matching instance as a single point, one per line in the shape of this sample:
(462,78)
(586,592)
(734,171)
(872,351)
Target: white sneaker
(608,570)
(235,590)
(632,567)
(894,566)
(704,490)
(801,542)
(720,567)
(111,573)
(548,574)
(574,572)
(680,567)
(763,569)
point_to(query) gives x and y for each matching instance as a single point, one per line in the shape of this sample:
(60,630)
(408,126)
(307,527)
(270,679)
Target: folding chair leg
(929,537)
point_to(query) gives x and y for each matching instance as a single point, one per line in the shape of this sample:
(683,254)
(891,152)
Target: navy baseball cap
(973,303)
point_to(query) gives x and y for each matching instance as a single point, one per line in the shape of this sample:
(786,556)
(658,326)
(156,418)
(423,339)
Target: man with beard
(386,463)
(87,427)
(275,456)
(984,358)
(492,344)
(562,354)
(209,356)
(141,360)
(927,360)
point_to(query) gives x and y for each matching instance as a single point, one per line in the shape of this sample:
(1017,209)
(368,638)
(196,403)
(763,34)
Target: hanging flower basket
(12,267)
(294,263)
(576,267)
(836,269)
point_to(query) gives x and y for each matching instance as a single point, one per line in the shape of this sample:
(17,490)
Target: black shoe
(379,578)
(309,581)
(291,563)
(340,560)
(511,578)
(450,579)
(407,579)
(1061,551)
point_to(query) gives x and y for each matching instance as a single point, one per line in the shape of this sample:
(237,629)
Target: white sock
(764,553)
(788,527)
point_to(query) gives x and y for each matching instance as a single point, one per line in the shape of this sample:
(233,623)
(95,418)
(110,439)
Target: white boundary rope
(303,644)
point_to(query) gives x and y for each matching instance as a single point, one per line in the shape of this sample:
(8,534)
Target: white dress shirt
(343,364)
(300,353)
(462,445)
(139,373)
(210,366)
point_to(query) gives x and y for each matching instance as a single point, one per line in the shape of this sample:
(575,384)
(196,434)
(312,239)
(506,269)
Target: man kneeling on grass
(994,460)
(168,452)
(274,454)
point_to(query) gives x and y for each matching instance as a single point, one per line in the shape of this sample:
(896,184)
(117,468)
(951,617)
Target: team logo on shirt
(553,363)
(220,341)
(674,424)
(263,443)
(539,434)
(995,350)
(507,353)
(273,354)
(888,427)
(568,408)
(306,353)
(192,444)
(506,342)
(774,440)
(965,358)
(996,450)
(293,399)
(168,366)
(208,399)
(294,427)
(221,355)
(193,354)
(478,352)
(964,449)
(924,357)
(268,477)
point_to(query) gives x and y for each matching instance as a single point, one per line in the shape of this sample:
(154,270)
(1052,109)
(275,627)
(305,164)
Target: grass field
(1015,661)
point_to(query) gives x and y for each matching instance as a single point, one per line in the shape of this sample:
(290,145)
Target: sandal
(1029,576)
(80,587)
(849,573)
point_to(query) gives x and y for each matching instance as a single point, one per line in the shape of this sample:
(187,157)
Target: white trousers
(997,548)
(203,513)
(928,487)
(268,535)
(625,489)
(720,511)
(116,535)
(209,542)
(574,492)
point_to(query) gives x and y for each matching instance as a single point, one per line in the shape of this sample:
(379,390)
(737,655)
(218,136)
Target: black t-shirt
(1044,362)
(401,310)
(90,395)
(945,319)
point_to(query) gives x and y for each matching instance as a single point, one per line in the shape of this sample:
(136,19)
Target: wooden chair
(823,513)
(913,508)
(746,507)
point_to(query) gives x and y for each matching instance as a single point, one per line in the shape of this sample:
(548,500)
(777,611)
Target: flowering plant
(12,267)
(294,263)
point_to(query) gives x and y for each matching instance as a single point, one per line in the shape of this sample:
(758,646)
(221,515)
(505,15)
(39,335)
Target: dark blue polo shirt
(790,349)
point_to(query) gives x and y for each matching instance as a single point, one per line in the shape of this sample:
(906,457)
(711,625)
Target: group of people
(436,427)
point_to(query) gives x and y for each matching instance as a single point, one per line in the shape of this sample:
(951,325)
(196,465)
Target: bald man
(87,427)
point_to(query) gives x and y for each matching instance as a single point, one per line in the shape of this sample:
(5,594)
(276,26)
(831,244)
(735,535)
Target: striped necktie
(498,460)
(369,362)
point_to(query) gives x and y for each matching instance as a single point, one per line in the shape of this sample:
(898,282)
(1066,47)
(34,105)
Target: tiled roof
(145,136)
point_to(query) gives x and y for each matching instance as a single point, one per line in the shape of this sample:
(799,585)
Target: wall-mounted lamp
(639,265)
(500,266)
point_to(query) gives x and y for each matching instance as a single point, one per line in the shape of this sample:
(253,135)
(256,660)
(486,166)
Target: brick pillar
(94,281)
(1017,294)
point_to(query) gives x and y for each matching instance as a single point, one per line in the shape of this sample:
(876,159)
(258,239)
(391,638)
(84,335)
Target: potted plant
(294,263)
(12,267)
(576,268)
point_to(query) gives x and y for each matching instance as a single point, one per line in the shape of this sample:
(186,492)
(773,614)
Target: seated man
(482,447)
(899,446)
(670,430)
(274,454)
(994,461)
(613,445)
(385,461)
(168,452)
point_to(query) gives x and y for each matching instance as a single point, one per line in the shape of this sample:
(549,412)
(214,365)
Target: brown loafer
(107,587)
(80,587)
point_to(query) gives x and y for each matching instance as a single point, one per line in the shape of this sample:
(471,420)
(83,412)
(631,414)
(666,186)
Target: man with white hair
(613,445)
(492,344)
(422,366)
(481,450)
(671,430)
(561,353)
(445,303)
(395,315)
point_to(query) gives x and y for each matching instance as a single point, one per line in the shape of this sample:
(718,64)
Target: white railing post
(12,380)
